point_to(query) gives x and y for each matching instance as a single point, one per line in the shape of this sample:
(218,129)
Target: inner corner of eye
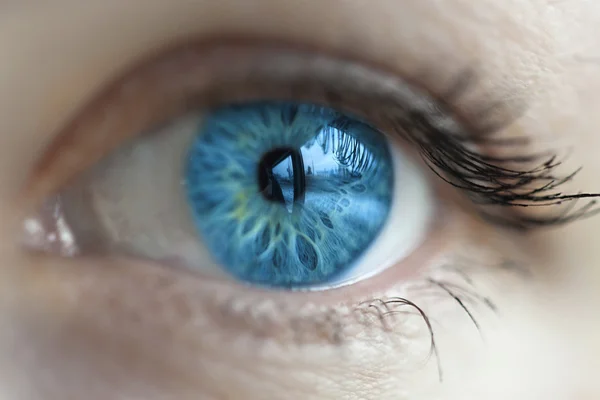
(48,231)
(279,194)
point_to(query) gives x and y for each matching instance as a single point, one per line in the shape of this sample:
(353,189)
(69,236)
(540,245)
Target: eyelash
(487,183)
(330,324)
(484,178)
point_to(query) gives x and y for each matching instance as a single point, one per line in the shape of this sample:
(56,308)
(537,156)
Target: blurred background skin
(62,339)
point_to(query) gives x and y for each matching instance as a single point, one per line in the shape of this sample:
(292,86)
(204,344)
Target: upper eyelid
(87,138)
(96,114)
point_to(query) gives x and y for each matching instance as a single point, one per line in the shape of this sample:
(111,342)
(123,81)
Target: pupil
(281,176)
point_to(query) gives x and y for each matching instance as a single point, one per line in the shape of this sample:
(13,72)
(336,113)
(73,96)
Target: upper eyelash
(484,178)
(508,187)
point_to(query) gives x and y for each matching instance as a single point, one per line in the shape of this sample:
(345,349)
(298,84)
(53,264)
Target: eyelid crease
(202,74)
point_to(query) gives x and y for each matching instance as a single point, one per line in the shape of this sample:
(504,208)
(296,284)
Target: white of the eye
(405,229)
(138,201)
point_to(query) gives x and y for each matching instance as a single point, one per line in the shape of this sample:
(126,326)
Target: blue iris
(288,194)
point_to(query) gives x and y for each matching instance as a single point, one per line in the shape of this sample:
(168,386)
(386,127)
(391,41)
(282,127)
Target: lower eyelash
(396,302)
(334,325)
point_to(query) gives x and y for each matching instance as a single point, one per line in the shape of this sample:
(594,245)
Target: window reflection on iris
(286,194)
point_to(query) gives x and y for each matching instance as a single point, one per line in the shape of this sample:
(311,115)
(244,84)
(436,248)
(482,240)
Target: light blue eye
(286,194)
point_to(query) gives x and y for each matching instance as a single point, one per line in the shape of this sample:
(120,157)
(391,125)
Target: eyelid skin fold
(193,76)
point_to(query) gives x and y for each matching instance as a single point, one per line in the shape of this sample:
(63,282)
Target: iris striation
(288,194)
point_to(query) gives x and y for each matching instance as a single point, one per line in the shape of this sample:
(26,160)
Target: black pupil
(284,188)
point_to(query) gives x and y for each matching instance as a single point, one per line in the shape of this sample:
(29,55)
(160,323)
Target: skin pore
(116,329)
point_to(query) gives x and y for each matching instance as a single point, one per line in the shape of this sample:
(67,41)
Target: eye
(265,165)
(276,194)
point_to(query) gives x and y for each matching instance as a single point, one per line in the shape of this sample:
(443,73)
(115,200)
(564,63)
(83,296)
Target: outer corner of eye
(276,194)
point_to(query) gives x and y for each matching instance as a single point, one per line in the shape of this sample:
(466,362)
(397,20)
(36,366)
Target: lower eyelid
(180,319)
(143,293)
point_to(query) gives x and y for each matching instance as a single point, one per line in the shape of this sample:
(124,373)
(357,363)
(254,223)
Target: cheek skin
(62,341)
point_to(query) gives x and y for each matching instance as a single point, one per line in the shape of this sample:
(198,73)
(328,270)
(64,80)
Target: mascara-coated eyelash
(524,180)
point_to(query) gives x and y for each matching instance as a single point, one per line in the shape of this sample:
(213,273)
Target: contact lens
(287,194)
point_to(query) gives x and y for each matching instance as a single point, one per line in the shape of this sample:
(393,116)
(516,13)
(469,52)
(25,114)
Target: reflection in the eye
(273,183)
(288,194)
(283,172)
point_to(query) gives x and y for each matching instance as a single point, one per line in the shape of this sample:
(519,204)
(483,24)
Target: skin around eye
(111,328)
